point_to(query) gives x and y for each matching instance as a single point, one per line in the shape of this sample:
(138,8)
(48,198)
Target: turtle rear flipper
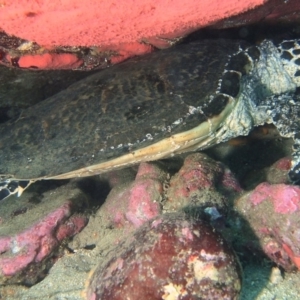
(284,111)
(10,187)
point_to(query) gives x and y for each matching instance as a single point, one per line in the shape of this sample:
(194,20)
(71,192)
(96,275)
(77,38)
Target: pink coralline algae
(283,164)
(30,248)
(50,61)
(169,257)
(132,204)
(273,213)
(202,182)
(285,198)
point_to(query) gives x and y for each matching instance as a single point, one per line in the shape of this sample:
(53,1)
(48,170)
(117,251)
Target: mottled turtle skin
(181,99)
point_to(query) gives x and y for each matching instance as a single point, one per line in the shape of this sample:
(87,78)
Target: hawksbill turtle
(185,98)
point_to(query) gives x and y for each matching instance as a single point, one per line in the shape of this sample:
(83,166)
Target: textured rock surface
(278,172)
(119,31)
(30,234)
(98,241)
(73,23)
(203,185)
(272,11)
(50,61)
(67,276)
(136,202)
(169,257)
(273,213)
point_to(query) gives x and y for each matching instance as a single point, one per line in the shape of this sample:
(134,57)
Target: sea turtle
(186,98)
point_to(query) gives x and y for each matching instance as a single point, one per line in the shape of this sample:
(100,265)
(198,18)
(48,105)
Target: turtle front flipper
(10,187)
(289,51)
(284,111)
(283,107)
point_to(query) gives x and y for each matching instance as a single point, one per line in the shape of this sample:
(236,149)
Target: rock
(278,172)
(50,61)
(133,203)
(169,257)
(31,233)
(202,183)
(119,177)
(272,11)
(103,33)
(105,24)
(273,214)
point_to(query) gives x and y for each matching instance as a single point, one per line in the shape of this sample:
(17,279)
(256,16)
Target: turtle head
(290,58)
